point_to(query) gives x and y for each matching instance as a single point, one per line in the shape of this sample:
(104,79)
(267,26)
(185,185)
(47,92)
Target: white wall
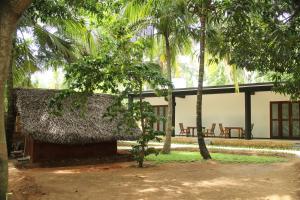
(228,109)
(185,112)
(156,101)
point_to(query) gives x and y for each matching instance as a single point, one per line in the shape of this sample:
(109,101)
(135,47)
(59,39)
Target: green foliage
(45,10)
(23,62)
(119,69)
(169,20)
(60,31)
(264,36)
(46,47)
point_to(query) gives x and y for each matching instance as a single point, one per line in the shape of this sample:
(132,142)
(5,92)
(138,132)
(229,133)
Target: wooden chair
(211,131)
(183,131)
(223,132)
(243,131)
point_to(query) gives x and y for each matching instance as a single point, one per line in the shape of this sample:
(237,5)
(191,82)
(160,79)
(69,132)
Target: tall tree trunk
(10,13)
(141,160)
(5,51)
(3,150)
(167,145)
(11,112)
(202,147)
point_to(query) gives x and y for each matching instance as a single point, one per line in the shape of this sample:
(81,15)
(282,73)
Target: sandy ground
(198,180)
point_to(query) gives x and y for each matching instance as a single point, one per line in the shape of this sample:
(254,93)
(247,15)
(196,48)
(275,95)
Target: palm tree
(208,14)
(201,10)
(58,42)
(170,20)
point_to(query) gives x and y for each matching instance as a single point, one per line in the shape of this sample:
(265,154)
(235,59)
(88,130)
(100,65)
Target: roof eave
(258,87)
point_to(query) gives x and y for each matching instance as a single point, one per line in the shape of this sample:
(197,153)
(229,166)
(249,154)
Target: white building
(273,115)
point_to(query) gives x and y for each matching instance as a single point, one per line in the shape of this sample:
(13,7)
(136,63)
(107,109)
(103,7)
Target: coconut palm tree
(170,20)
(201,10)
(207,14)
(47,45)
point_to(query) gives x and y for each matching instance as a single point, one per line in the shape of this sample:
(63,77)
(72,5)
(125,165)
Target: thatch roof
(71,127)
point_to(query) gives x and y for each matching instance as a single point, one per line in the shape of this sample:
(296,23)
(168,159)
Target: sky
(49,79)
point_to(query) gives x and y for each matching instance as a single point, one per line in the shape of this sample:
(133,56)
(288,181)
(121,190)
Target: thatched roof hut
(71,127)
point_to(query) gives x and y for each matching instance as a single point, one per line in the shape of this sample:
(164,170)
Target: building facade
(273,115)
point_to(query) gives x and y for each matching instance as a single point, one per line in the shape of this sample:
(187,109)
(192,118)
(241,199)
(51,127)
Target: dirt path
(172,181)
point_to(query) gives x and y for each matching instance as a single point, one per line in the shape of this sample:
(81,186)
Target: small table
(193,129)
(239,129)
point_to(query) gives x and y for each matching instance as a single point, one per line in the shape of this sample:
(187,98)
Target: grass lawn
(183,156)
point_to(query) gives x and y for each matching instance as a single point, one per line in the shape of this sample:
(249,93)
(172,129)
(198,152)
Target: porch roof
(251,88)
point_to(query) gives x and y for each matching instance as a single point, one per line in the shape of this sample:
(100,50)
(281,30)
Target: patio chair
(211,131)
(223,132)
(243,131)
(183,131)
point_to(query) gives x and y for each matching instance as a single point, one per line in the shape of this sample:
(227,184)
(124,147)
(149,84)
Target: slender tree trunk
(167,145)
(11,112)
(10,13)
(202,147)
(142,156)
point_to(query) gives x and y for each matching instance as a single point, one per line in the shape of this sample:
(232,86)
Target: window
(285,119)
(160,111)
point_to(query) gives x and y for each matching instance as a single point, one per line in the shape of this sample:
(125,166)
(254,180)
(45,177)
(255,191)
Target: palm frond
(48,41)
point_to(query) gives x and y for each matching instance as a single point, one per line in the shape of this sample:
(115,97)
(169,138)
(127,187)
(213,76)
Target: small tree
(143,111)
(125,83)
(119,70)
